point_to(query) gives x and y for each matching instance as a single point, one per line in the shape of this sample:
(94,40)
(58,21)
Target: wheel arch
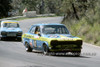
(45,43)
(26,41)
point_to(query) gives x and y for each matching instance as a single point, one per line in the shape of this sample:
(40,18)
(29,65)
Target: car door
(32,40)
(37,38)
(35,41)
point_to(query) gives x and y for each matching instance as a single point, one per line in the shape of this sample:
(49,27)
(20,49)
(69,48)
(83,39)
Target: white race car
(11,29)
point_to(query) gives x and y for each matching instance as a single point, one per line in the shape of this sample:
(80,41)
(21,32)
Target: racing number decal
(35,43)
(31,43)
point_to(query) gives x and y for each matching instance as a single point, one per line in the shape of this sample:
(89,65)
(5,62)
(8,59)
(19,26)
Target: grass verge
(89,32)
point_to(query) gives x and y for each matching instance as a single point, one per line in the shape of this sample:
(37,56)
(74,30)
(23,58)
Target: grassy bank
(83,19)
(90,32)
(86,22)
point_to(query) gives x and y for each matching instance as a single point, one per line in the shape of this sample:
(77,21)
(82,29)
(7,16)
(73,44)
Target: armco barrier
(11,18)
(16,17)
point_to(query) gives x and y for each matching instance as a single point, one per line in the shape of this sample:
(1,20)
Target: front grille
(66,44)
(11,34)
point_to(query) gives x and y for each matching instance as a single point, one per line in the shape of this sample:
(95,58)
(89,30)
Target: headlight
(3,33)
(19,32)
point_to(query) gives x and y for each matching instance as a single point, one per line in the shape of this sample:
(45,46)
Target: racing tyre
(28,48)
(19,39)
(45,50)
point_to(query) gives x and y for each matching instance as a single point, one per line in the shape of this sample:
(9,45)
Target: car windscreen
(8,25)
(55,29)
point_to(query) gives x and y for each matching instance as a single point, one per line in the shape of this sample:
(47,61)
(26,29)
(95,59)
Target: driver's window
(37,30)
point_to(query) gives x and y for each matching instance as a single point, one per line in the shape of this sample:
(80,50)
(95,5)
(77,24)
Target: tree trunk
(41,11)
(75,11)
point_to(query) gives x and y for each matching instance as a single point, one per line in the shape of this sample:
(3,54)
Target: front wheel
(28,48)
(2,38)
(19,39)
(45,50)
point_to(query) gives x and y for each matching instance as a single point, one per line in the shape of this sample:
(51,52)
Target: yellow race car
(49,38)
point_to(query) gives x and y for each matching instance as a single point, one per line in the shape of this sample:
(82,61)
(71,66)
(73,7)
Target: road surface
(13,54)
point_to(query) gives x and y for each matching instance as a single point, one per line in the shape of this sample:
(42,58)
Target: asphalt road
(13,54)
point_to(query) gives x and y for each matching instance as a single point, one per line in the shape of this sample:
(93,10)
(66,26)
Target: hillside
(87,25)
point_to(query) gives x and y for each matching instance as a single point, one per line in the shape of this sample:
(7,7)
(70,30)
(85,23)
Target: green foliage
(88,26)
(30,4)
(40,6)
(53,6)
(74,9)
(5,7)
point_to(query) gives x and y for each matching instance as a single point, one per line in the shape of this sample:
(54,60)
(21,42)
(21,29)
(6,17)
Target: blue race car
(11,29)
(51,38)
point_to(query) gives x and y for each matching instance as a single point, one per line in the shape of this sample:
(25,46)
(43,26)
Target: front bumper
(4,36)
(11,34)
(65,50)
(66,46)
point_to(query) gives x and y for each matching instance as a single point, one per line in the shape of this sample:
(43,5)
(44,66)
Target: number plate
(11,34)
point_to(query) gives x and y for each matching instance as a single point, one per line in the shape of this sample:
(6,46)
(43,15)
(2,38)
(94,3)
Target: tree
(5,7)
(17,7)
(74,8)
(30,4)
(40,6)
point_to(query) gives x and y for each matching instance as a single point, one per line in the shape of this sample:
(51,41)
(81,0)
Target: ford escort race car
(51,38)
(10,28)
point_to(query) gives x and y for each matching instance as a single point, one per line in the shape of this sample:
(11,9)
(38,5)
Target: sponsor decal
(36,36)
(53,36)
(28,36)
(35,43)
(65,38)
(31,43)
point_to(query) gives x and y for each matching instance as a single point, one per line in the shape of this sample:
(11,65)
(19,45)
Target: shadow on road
(40,53)
(71,56)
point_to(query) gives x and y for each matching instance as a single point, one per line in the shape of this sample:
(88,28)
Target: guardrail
(16,17)
(10,18)
(44,15)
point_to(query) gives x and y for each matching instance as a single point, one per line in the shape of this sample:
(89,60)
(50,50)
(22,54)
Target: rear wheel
(28,48)
(45,49)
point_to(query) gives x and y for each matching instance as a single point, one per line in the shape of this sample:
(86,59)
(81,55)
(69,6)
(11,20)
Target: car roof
(9,21)
(47,24)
